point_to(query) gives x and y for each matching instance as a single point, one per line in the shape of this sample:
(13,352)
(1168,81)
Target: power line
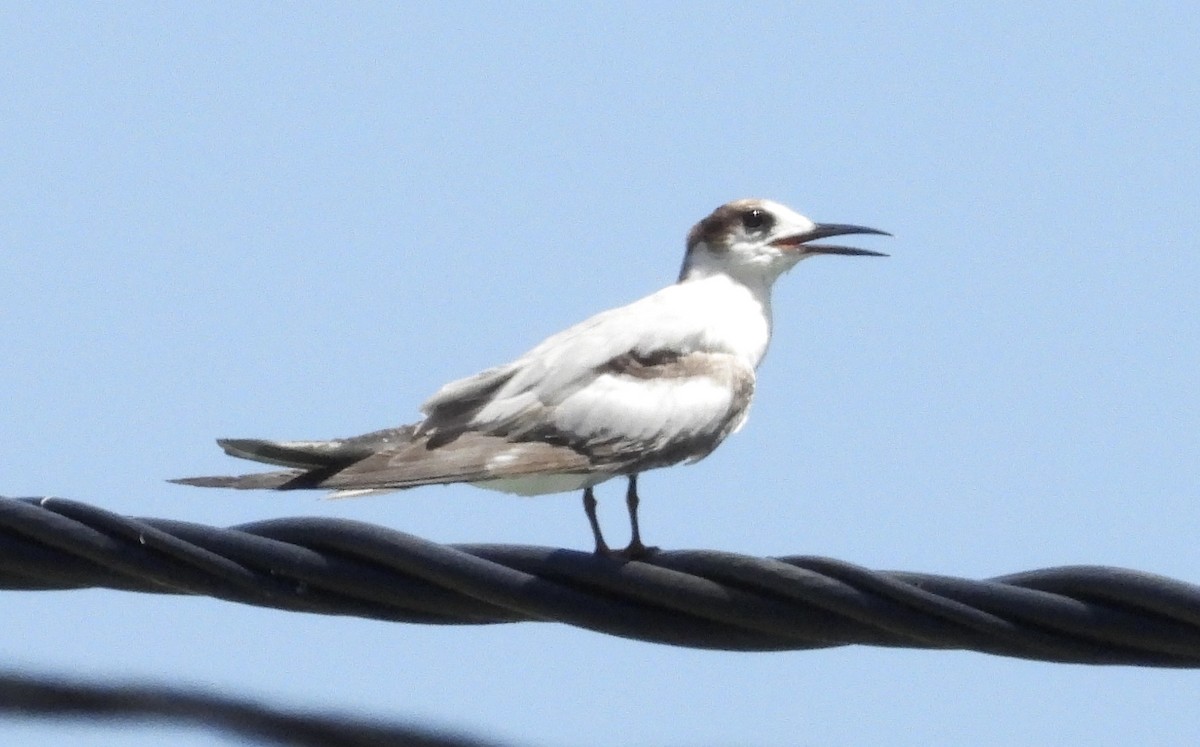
(696,598)
(41,696)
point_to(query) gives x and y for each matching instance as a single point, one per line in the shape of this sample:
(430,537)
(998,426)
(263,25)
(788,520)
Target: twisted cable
(695,598)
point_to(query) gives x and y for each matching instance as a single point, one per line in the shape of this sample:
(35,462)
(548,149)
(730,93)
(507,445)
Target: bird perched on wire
(658,382)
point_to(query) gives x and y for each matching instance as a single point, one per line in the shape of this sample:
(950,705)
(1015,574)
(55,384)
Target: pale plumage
(660,381)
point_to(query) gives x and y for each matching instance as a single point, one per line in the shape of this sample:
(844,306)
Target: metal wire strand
(696,598)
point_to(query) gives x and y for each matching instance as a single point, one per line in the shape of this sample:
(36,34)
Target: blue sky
(299,220)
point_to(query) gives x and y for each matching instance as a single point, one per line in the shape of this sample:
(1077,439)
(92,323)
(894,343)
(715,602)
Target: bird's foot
(636,551)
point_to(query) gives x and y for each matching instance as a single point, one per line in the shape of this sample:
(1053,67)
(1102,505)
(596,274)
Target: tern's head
(758,240)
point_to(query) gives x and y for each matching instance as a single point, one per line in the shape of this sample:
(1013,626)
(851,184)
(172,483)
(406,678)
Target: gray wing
(629,412)
(642,372)
(399,461)
(602,396)
(635,413)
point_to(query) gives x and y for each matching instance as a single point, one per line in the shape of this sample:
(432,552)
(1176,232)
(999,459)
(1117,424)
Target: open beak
(824,231)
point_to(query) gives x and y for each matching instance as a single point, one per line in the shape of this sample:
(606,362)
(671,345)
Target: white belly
(543,484)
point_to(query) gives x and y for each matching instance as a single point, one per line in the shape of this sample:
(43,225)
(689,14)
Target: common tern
(658,382)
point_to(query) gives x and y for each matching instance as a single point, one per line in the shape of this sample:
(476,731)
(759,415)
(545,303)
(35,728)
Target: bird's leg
(635,549)
(589,507)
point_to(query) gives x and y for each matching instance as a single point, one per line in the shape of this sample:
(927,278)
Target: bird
(658,382)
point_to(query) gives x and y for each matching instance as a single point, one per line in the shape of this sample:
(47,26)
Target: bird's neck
(736,311)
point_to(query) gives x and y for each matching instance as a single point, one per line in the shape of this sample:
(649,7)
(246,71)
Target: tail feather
(312,462)
(259,481)
(340,452)
(301,454)
(394,460)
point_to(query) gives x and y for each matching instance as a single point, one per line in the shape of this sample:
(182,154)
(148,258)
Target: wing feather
(511,398)
(601,398)
(471,457)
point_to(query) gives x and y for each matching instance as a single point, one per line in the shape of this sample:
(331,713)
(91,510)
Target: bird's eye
(756,219)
